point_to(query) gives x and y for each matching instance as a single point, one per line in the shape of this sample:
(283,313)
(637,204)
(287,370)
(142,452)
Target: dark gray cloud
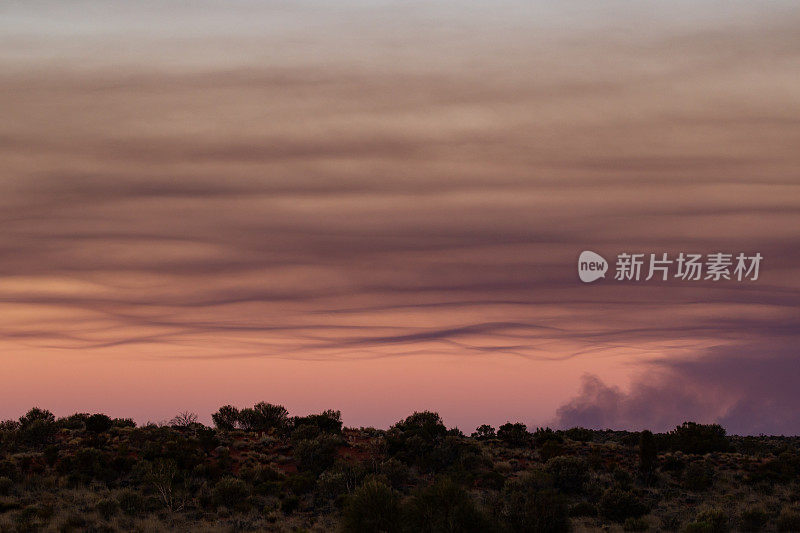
(748,388)
(268,191)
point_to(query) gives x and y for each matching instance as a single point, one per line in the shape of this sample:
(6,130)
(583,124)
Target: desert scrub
(699,476)
(710,521)
(373,507)
(230,492)
(635,524)
(107,508)
(569,473)
(618,505)
(789,519)
(5,485)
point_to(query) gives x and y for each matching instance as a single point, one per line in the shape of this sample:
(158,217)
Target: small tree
(184,419)
(484,432)
(227,418)
(648,454)
(36,414)
(98,423)
(514,434)
(373,508)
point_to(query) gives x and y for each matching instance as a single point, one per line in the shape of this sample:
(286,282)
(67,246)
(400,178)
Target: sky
(378,207)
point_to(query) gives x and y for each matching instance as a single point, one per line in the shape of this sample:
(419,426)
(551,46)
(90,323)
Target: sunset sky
(378,207)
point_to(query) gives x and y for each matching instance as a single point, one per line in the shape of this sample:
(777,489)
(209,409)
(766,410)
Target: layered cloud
(321,184)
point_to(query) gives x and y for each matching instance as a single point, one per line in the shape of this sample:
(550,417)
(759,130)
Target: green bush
(74,522)
(789,519)
(372,508)
(699,438)
(107,508)
(635,524)
(515,435)
(98,423)
(329,421)
(711,521)
(227,418)
(230,492)
(699,476)
(648,453)
(528,509)
(754,519)
(542,435)
(443,507)
(583,509)
(569,473)
(618,505)
(36,414)
(318,454)
(130,502)
(5,485)
(579,434)
(484,432)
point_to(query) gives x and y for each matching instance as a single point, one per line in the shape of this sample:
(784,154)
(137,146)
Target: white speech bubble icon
(591,266)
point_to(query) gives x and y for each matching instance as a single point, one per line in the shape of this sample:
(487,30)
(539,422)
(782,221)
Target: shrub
(515,435)
(230,492)
(442,507)
(484,432)
(635,524)
(711,521)
(699,438)
(74,421)
(528,509)
(373,508)
(131,502)
(37,432)
(264,417)
(227,418)
(618,505)
(304,432)
(396,473)
(583,509)
(184,419)
(579,434)
(698,476)
(107,508)
(123,423)
(98,423)
(5,485)
(789,519)
(426,425)
(418,440)
(754,519)
(329,421)
(316,455)
(542,435)
(73,522)
(569,473)
(550,449)
(290,503)
(36,414)
(648,453)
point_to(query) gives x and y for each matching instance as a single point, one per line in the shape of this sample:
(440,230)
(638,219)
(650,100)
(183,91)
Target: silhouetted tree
(36,414)
(514,434)
(648,454)
(98,423)
(691,437)
(184,419)
(227,418)
(483,432)
(373,508)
